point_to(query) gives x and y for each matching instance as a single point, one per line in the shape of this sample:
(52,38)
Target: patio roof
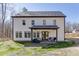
(44,27)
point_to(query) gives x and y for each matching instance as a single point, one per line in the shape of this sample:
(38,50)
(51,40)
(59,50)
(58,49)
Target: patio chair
(52,39)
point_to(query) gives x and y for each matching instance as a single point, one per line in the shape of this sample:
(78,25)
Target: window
(23,22)
(20,34)
(34,35)
(17,35)
(54,22)
(25,34)
(29,34)
(44,22)
(33,22)
(37,34)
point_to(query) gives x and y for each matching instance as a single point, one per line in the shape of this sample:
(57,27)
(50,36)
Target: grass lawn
(27,48)
(9,47)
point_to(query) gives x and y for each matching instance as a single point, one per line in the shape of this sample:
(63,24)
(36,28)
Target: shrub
(61,44)
(35,41)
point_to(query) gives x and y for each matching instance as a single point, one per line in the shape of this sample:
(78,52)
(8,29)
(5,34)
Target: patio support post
(56,34)
(31,34)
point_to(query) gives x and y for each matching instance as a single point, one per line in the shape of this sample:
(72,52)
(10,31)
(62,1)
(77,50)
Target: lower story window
(34,35)
(37,34)
(27,34)
(18,34)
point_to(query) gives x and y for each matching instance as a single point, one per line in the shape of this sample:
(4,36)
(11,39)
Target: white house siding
(60,23)
(38,21)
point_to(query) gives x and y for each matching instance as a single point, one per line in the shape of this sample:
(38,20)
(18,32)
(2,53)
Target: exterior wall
(38,21)
(60,24)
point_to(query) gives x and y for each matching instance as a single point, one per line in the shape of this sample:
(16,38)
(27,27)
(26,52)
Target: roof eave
(35,16)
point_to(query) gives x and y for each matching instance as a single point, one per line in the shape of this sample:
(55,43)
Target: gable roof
(40,13)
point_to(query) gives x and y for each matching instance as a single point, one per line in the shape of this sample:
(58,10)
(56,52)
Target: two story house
(38,24)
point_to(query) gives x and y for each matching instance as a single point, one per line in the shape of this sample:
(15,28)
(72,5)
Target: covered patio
(42,33)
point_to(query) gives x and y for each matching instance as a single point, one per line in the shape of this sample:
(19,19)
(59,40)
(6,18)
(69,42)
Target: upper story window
(54,22)
(44,22)
(23,22)
(33,22)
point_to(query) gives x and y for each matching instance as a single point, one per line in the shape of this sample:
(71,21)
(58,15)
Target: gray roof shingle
(40,13)
(44,27)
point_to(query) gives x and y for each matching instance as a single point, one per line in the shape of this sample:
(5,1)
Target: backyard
(11,48)
(72,35)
